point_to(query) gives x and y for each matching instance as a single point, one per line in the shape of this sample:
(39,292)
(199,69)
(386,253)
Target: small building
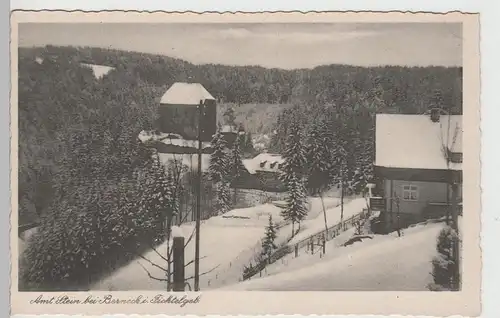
(179,110)
(264,170)
(417,157)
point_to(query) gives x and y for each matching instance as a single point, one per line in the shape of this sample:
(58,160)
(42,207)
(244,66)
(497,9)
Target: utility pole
(198,201)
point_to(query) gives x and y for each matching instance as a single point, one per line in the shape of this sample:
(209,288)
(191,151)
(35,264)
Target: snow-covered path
(385,263)
(316,225)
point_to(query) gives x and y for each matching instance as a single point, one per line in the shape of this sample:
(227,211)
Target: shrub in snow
(444,267)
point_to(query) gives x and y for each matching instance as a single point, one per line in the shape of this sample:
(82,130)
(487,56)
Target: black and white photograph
(181,157)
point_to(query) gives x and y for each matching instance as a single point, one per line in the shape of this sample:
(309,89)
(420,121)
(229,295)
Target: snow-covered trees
(236,161)
(219,173)
(294,165)
(292,175)
(320,161)
(295,210)
(444,269)
(268,244)
(236,157)
(218,160)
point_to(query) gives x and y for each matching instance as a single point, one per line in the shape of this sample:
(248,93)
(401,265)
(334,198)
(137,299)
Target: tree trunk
(169,263)
(324,212)
(342,204)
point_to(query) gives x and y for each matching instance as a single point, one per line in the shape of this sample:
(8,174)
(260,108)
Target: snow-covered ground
(317,225)
(228,243)
(383,263)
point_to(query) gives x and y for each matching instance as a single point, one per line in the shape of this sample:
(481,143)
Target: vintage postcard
(245,163)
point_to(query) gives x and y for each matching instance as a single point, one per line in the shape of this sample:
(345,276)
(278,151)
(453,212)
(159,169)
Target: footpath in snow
(312,227)
(228,243)
(384,263)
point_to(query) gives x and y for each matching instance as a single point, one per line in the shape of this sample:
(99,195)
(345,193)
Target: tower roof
(186,94)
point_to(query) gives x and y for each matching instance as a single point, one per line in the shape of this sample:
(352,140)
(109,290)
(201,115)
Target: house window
(410,193)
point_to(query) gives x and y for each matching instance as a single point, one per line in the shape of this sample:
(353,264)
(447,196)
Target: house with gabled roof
(263,172)
(179,110)
(417,158)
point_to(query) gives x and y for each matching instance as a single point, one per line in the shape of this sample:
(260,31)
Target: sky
(287,46)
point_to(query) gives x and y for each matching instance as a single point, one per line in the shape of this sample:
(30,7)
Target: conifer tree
(158,193)
(236,162)
(219,174)
(292,175)
(319,154)
(223,197)
(268,244)
(218,160)
(294,165)
(295,210)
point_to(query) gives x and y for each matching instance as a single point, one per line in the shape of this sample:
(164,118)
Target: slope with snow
(333,217)
(228,243)
(384,263)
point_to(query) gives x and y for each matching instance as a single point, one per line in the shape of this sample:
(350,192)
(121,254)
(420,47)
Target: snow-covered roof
(98,70)
(186,94)
(171,139)
(263,162)
(415,141)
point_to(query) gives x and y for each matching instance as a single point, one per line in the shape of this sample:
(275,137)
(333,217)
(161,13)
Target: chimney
(435,115)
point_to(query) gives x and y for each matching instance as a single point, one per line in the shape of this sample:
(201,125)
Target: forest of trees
(80,162)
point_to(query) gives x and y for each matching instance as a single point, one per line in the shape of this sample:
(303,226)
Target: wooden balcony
(435,210)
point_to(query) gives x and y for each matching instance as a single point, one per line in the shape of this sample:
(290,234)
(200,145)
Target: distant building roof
(263,162)
(171,139)
(186,94)
(98,70)
(416,142)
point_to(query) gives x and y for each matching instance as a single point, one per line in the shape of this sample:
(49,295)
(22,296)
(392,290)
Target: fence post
(178,255)
(312,246)
(296,250)
(324,245)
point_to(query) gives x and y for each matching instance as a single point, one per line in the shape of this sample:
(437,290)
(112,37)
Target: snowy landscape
(145,172)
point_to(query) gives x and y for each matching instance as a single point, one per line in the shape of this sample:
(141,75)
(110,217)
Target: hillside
(57,93)
(256,118)
(260,91)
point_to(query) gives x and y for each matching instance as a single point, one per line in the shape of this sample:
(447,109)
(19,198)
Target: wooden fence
(319,238)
